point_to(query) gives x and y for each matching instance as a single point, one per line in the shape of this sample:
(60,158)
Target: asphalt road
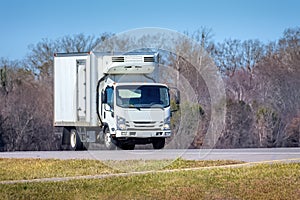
(247,155)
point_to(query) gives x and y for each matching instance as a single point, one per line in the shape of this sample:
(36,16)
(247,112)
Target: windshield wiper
(156,105)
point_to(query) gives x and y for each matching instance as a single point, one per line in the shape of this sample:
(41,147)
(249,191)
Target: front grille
(117,59)
(144,125)
(146,122)
(143,129)
(148,59)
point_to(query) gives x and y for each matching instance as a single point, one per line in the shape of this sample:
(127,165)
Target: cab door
(108,106)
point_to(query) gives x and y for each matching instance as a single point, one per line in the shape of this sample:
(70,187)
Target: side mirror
(175,93)
(172,111)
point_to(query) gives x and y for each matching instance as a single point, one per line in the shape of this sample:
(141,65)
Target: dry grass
(265,181)
(18,169)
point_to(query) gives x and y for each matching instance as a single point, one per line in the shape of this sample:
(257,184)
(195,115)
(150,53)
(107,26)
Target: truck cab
(135,106)
(135,113)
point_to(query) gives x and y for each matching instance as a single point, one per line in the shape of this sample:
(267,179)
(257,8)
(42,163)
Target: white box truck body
(112,99)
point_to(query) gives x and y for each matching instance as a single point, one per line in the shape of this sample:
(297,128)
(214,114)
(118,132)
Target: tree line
(262,84)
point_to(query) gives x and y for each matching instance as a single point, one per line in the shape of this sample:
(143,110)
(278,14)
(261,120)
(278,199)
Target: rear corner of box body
(71,89)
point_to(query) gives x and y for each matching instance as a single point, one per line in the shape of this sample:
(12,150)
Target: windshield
(145,96)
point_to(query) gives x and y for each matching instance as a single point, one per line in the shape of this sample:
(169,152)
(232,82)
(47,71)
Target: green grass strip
(26,169)
(261,181)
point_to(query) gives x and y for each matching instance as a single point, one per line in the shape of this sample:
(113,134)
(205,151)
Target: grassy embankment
(264,181)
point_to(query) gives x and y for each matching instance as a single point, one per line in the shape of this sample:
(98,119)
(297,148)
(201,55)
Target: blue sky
(25,22)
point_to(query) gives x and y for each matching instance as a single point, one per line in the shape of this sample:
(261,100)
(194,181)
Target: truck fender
(105,125)
(65,136)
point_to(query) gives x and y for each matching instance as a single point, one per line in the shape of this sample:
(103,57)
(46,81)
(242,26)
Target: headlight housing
(167,123)
(121,123)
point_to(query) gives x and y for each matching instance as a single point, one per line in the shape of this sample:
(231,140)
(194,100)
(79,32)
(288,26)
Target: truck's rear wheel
(158,143)
(75,142)
(109,142)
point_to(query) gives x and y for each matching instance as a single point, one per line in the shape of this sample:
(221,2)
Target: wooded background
(262,83)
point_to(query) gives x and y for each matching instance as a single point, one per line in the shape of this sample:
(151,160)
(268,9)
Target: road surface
(247,155)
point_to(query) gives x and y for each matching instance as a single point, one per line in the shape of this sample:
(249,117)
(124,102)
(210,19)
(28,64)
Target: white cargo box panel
(71,72)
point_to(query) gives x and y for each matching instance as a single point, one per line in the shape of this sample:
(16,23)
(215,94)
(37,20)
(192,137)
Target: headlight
(121,123)
(167,124)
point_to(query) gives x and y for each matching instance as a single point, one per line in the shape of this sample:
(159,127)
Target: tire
(158,143)
(109,142)
(75,143)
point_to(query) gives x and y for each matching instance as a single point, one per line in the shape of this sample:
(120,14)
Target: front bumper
(142,134)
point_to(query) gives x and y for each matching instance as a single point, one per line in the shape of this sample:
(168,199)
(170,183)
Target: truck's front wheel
(158,143)
(109,142)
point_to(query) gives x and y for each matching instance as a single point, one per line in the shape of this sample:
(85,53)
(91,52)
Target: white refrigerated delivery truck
(110,98)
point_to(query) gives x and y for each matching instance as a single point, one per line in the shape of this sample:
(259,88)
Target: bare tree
(228,56)
(239,131)
(253,52)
